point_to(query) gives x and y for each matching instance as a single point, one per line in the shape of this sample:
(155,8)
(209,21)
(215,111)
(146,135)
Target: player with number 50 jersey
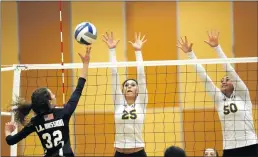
(50,123)
(233,104)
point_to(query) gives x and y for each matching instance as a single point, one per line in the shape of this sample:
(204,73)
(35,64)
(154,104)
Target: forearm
(11,140)
(141,78)
(112,59)
(115,76)
(75,97)
(227,66)
(198,67)
(209,85)
(84,70)
(140,68)
(239,85)
(219,51)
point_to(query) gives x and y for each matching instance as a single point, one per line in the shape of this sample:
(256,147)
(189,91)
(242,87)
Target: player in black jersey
(50,123)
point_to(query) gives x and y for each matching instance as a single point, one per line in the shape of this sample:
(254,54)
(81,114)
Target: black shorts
(141,153)
(250,151)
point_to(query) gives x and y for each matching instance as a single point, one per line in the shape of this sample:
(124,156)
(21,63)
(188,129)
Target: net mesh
(179,112)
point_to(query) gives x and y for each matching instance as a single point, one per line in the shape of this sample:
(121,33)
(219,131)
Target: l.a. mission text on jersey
(57,123)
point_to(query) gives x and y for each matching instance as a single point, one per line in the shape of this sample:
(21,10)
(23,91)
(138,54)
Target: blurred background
(30,33)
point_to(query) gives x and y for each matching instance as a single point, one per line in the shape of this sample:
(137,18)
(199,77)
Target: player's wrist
(216,47)
(7,133)
(112,48)
(137,49)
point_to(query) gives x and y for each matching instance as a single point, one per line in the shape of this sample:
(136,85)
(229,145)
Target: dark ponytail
(21,109)
(40,99)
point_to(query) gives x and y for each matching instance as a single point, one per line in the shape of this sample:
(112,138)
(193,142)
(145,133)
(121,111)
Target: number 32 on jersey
(57,136)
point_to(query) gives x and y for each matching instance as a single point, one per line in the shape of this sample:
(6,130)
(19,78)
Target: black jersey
(53,127)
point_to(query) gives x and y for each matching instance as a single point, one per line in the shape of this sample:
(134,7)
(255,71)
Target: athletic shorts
(141,153)
(250,151)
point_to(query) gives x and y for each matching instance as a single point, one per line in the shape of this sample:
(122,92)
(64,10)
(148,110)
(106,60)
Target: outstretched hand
(213,40)
(9,127)
(109,40)
(86,57)
(138,42)
(184,46)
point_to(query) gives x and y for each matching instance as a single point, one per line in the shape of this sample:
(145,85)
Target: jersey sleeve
(210,87)
(116,91)
(141,78)
(239,86)
(13,139)
(75,97)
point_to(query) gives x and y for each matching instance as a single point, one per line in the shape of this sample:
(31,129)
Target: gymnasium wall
(5,148)
(96,110)
(9,49)
(37,33)
(245,44)
(200,121)
(158,22)
(39,43)
(9,55)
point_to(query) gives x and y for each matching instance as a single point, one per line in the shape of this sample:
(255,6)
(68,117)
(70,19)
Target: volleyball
(85,33)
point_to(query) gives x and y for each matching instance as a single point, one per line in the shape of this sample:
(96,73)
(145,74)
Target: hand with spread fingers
(184,45)
(86,57)
(138,42)
(85,60)
(109,40)
(9,128)
(213,40)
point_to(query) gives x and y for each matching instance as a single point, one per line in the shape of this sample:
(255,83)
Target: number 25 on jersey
(131,115)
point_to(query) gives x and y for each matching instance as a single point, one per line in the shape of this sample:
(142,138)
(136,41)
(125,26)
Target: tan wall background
(195,19)
(95,111)
(5,148)
(9,55)
(245,44)
(9,49)
(39,37)
(158,22)
(92,128)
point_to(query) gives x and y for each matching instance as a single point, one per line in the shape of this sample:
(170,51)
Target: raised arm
(13,139)
(239,85)
(141,78)
(75,97)
(210,87)
(116,91)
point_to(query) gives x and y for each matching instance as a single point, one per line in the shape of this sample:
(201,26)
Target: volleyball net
(179,110)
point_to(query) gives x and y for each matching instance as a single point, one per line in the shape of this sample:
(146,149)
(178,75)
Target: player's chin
(130,94)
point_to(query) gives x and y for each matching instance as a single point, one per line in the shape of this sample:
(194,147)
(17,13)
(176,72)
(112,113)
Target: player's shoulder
(34,119)
(56,109)
(32,122)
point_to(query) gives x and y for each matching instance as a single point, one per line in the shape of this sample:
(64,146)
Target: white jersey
(129,119)
(235,113)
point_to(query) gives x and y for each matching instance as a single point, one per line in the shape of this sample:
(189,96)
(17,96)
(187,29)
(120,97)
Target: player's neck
(130,101)
(228,95)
